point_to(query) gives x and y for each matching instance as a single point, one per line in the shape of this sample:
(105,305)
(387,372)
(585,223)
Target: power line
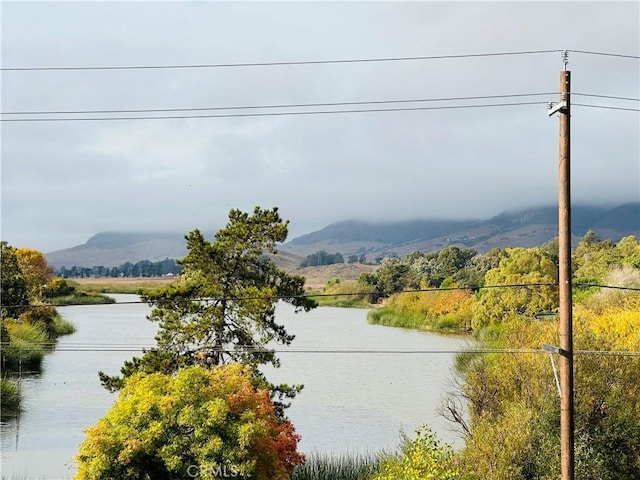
(308,62)
(327,350)
(291,105)
(605,96)
(279,63)
(347,294)
(302,105)
(605,107)
(634,57)
(271,114)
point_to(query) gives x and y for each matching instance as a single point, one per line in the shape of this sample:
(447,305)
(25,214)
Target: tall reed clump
(392,318)
(62,326)
(9,398)
(344,466)
(447,311)
(27,345)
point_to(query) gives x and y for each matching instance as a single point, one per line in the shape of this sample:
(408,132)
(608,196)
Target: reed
(82,298)
(62,326)
(343,466)
(10,398)
(27,346)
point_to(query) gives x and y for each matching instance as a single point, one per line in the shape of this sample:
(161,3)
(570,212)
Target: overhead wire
(303,105)
(611,97)
(606,107)
(343,294)
(310,62)
(270,114)
(326,350)
(606,54)
(278,63)
(290,105)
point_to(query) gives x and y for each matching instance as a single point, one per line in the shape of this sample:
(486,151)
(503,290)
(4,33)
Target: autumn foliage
(198,423)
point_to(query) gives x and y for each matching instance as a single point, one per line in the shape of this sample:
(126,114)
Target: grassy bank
(344,466)
(31,336)
(10,397)
(81,298)
(393,318)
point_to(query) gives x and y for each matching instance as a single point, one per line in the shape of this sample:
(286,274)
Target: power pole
(564,278)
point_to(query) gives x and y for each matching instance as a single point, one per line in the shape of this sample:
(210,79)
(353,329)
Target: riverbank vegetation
(506,406)
(343,466)
(62,292)
(343,294)
(29,325)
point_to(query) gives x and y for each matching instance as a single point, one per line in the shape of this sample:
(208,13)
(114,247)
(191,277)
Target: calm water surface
(351,401)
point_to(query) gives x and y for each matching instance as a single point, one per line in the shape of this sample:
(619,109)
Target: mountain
(526,228)
(516,228)
(111,249)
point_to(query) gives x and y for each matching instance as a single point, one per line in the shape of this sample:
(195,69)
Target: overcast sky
(64,181)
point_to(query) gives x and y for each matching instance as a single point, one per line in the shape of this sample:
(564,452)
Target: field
(119,285)
(316,277)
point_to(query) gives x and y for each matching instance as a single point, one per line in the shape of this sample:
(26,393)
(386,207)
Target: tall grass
(10,398)
(82,298)
(27,346)
(344,466)
(62,326)
(391,318)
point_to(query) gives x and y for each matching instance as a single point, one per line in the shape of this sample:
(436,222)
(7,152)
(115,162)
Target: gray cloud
(64,181)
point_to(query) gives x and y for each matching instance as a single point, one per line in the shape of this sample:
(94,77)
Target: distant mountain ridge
(388,232)
(514,228)
(527,228)
(111,249)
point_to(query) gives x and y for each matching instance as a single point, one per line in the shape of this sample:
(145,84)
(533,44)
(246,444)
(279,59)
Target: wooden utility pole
(564,278)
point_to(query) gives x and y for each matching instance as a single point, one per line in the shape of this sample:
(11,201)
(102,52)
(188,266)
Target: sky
(64,181)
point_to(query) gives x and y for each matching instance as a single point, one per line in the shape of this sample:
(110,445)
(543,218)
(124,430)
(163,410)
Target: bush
(58,287)
(41,316)
(423,458)
(197,423)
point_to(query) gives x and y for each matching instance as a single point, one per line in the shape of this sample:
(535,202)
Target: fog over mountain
(528,227)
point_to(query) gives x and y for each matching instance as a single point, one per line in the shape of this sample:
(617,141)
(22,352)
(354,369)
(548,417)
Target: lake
(362,387)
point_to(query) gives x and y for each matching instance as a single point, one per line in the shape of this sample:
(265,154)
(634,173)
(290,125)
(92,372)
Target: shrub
(423,458)
(198,422)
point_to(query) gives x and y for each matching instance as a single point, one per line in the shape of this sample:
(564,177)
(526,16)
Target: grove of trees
(322,258)
(143,268)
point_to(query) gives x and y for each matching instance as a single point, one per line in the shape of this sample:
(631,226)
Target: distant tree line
(322,258)
(144,268)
